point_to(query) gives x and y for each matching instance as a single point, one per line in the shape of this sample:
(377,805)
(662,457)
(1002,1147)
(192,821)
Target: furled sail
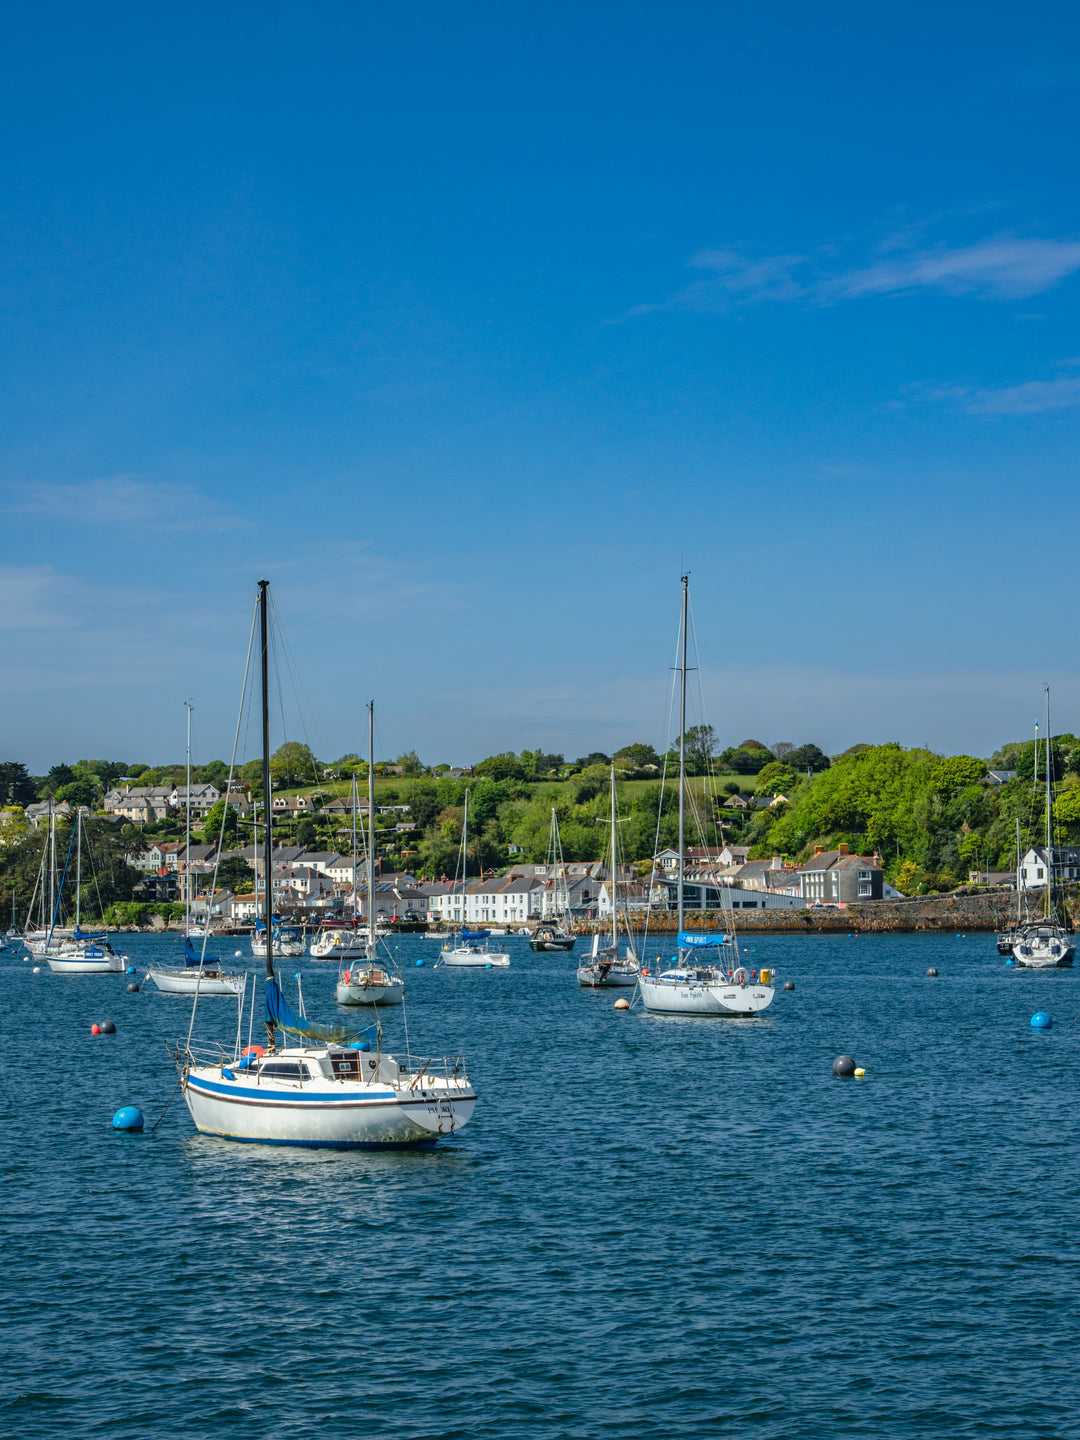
(281,1014)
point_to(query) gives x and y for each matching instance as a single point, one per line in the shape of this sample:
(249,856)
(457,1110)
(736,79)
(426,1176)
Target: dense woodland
(932,818)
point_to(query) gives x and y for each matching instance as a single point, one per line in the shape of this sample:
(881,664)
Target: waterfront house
(836,877)
(1035,866)
(494,900)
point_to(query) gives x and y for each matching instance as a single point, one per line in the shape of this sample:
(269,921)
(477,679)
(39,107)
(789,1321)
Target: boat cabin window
(282,1070)
(350,1065)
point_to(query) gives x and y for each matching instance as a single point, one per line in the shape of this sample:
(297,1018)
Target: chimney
(777,862)
(844,849)
(819,850)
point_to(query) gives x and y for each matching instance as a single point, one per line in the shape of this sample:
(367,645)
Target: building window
(865,889)
(1039,873)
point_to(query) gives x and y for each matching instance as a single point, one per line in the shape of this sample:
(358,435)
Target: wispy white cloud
(997,268)
(1001,269)
(1030,397)
(120,501)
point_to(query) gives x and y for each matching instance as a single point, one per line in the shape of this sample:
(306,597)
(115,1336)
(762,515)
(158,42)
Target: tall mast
(464,862)
(78,866)
(1051,899)
(268,886)
(187,828)
(372,949)
(355,877)
(52,868)
(682,748)
(614,907)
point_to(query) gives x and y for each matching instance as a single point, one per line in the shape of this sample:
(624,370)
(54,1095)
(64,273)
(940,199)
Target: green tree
(700,749)
(16,784)
(775,779)
(78,792)
(953,772)
(212,825)
(235,874)
(57,776)
(807,757)
(638,755)
(293,764)
(506,766)
(307,833)
(410,763)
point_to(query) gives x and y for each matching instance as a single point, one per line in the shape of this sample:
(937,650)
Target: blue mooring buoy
(1041,1020)
(129,1118)
(130,970)
(419,962)
(488,965)
(1010,961)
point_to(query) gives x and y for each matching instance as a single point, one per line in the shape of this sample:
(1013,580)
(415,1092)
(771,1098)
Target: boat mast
(1051,897)
(614,907)
(52,868)
(78,867)
(372,948)
(464,864)
(268,888)
(355,895)
(682,750)
(187,828)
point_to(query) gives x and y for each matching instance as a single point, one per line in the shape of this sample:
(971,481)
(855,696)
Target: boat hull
(553,944)
(474,960)
(323,1117)
(703,997)
(369,992)
(189,982)
(85,965)
(596,977)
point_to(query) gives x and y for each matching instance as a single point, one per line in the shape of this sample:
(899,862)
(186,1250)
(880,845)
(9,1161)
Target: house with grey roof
(836,877)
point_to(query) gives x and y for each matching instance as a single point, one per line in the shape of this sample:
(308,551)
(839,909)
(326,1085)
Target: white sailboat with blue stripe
(323,1086)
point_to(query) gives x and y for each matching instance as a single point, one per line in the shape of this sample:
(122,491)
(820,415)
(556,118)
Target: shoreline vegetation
(934,821)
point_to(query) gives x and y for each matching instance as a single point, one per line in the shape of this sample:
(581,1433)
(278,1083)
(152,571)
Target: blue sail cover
(280,1014)
(85,935)
(474,934)
(195,958)
(698,940)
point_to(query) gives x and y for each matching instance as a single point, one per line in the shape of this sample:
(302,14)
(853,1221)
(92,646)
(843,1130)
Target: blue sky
(473,327)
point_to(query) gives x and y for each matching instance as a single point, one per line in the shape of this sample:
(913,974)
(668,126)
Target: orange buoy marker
(95,1029)
(622,1004)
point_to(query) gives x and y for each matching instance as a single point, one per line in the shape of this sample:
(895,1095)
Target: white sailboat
(201,974)
(720,985)
(472,951)
(328,1089)
(364,979)
(603,968)
(1049,942)
(81,954)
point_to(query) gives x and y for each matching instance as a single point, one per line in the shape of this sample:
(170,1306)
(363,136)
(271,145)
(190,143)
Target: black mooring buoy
(931,971)
(843,1067)
(789,984)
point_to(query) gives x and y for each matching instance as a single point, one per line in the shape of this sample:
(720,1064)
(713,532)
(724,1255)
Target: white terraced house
(495,901)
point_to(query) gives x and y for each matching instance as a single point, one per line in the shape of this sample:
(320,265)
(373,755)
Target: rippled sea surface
(653,1227)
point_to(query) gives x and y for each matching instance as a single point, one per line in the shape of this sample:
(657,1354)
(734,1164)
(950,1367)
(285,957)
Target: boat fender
(345,977)
(227,1073)
(753,976)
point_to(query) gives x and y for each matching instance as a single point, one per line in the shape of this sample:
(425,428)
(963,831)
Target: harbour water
(653,1227)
